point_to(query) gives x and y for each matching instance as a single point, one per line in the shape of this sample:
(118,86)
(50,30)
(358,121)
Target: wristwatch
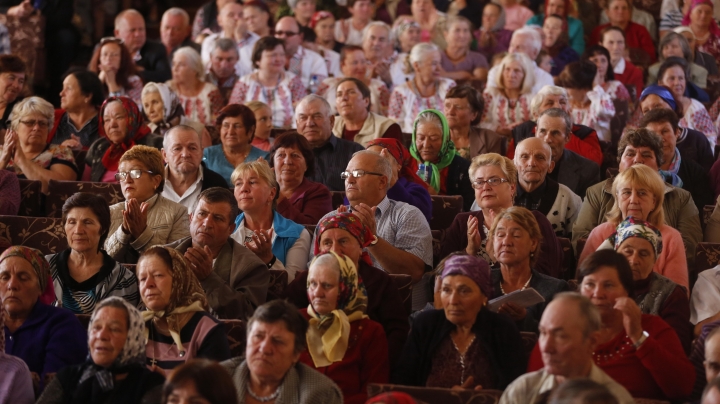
(642,339)
(375,240)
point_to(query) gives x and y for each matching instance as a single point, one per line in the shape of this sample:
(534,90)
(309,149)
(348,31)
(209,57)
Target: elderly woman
(637,36)
(605,76)
(257,17)
(703,59)
(465,344)
(441,167)
(17,385)
(699,18)
(431,21)
(162,111)
(115,370)
(85,274)
(276,337)
(303,11)
(426,90)
(343,343)
(494,178)
(123,128)
(515,240)
(613,39)
(114,65)
(299,199)
(46,338)
(270,83)
(674,44)
(263,125)
(179,327)
(12,81)
(279,242)
(203,380)
(464,106)
(574,27)
(145,218)
(237,129)
(492,37)
(406,32)
(76,123)
(555,43)
(26,151)
(639,192)
(458,62)
(200,99)
(508,104)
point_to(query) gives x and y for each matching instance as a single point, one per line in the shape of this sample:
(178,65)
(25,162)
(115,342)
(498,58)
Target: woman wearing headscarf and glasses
(115,370)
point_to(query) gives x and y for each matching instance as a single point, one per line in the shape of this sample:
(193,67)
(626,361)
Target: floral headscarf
(632,227)
(402,156)
(328,335)
(714,29)
(136,130)
(447,150)
(317,16)
(31,255)
(350,223)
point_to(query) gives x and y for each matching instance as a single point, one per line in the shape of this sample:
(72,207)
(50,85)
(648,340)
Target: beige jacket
(374,127)
(167,222)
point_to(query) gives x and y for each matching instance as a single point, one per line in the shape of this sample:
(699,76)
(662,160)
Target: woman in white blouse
(508,104)
(200,99)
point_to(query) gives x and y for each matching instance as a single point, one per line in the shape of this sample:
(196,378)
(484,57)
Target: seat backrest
(277,285)
(31,202)
(236,332)
(437,238)
(42,233)
(568,266)
(439,395)
(60,191)
(444,210)
(707,255)
(405,285)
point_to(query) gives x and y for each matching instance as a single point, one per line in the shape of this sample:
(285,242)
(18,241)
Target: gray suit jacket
(577,172)
(238,282)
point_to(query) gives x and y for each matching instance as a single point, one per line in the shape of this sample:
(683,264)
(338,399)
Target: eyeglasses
(493,182)
(31,124)
(111,39)
(357,174)
(286,33)
(121,176)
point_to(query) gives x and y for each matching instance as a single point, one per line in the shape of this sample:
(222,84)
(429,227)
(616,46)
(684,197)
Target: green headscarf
(447,150)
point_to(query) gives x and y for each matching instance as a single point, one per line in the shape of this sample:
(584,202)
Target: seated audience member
(699,18)
(323,25)
(258,18)
(263,125)
(567,347)
(345,234)
(302,62)
(514,242)
(705,357)
(581,391)
(203,380)
(279,242)
(145,218)
(343,343)
(205,21)
(150,57)
(221,70)
(162,110)
(639,16)
(528,41)
(431,22)
(555,43)
(465,344)
(712,228)
(175,31)
(378,48)
(10,197)
(233,27)
(46,338)
(303,11)
(678,210)
(492,37)
(573,26)
(637,37)
(405,186)
(589,104)
(179,326)
(444,170)
(315,122)
(237,129)
(536,191)
(426,90)
(699,57)
(276,372)
(76,122)
(357,122)
(270,82)
(464,106)
(115,370)
(350,30)
(85,274)
(353,64)
(299,199)
(516,14)
(26,151)
(507,103)
(674,44)
(494,178)
(122,128)
(201,100)
(17,384)
(234,279)
(711,394)
(458,62)
(605,76)
(186,176)
(613,39)
(13,71)
(113,64)
(406,32)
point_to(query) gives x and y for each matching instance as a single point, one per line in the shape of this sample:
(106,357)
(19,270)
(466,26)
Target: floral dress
(204,107)
(616,90)
(598,114)
(281,99)
(500,113)
(379,95)
(712,46)
(406,103)
(53,154)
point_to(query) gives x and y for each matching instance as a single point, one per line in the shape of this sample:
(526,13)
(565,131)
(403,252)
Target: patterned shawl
(136,130)
(632,227)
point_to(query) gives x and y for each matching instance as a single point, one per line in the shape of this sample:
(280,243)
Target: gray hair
(225,45)
(382,165)
(149,88)
(527,65)
(178,128)
(193,59)
(314,98)
(587,309)
(559,113)
(534,36)
(293,3)
(178,12)
(418,53)
(684,45)
(328,260)
(387,28)
(539,98)
(429,117)
(31,105)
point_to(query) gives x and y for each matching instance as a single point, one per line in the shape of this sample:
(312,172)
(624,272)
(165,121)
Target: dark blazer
(696,181)
(695,146)
(212,179)
(458,181)
(577,172)
(154,61)
(497,333)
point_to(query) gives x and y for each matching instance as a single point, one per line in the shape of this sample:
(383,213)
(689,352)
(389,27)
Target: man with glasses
(304,63)
(332,154)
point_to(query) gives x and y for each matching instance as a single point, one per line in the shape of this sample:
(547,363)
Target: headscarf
(317,16)
(501,21)
(714,29)
(409,165)
(136,130)
(660,91)
(632,227)
(473,267)
(328,335)
(171,105)
(350,223)
(447,150)
(33,256)
(186,296)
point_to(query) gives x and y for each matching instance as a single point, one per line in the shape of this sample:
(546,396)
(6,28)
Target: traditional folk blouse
(499,113)
(281,99)
(406,103)
(203,107)
(598,114)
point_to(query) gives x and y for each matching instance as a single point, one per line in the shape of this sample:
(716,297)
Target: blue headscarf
(662,92)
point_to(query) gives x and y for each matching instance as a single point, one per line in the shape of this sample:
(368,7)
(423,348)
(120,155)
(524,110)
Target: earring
(532,255)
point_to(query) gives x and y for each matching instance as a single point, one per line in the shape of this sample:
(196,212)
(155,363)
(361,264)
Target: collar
(300,53)
(620,68)
(383,206)
(332,141)
(548,383)
(535,195)
(66,119)
(167,175)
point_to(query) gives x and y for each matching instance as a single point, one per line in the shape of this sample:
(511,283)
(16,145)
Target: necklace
(523,288)
(266,398)
(462,357)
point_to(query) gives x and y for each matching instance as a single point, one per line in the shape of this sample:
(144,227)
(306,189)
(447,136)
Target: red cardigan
(658,370)
(308,204)
(365,361)
(632,76)
(636,36)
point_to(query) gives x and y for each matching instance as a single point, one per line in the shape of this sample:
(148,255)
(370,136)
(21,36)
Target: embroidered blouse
(406,103)
(499,113)
(204,107)
(598,114)
(281,99)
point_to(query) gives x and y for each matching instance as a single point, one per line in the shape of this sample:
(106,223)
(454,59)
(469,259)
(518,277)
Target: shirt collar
(383,206)
(620,67)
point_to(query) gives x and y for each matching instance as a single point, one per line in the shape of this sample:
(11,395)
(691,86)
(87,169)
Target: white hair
(539,98)
(418,53)
(178,12)
(527,66)
(31,105)
(314,98)
(225,45)
(192,57)
(534,37)
(377,24)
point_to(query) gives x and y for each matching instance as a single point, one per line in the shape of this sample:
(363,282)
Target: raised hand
(200,260)
(262,245)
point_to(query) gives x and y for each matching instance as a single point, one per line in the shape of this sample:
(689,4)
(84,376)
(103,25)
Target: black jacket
(577,172)
(696,181)
(212,179)
(458,181)
(154,61)
(695,146)
(98,148)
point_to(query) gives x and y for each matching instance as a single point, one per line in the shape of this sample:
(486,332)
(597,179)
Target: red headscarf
(136,130)
(350,223)
(714,29)
(402,156)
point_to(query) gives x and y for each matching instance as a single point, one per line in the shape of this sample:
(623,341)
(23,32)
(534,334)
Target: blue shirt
(214,159)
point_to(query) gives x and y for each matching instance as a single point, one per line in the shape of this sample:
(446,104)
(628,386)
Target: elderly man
(642,147)
(230,19)
(379,52)
(332,154)
(526,40)
(150,57)
(235,280)
(356,122)
(304,63)
(175,31)
(185,174)
(571,169)
(583,139)
(569,332)
(705,357)
(222,69)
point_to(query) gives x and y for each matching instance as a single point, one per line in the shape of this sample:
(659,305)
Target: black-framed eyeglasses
(286,33)
(493,182)
(112,39)
(39,122)
(357,174)
(121,176)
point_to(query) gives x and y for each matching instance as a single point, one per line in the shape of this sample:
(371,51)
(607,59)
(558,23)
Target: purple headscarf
(473,267)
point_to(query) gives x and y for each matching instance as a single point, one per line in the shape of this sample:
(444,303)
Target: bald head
(130,27)
(533,160)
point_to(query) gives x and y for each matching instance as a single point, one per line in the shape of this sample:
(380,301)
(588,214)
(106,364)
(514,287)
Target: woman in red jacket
(614,40)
